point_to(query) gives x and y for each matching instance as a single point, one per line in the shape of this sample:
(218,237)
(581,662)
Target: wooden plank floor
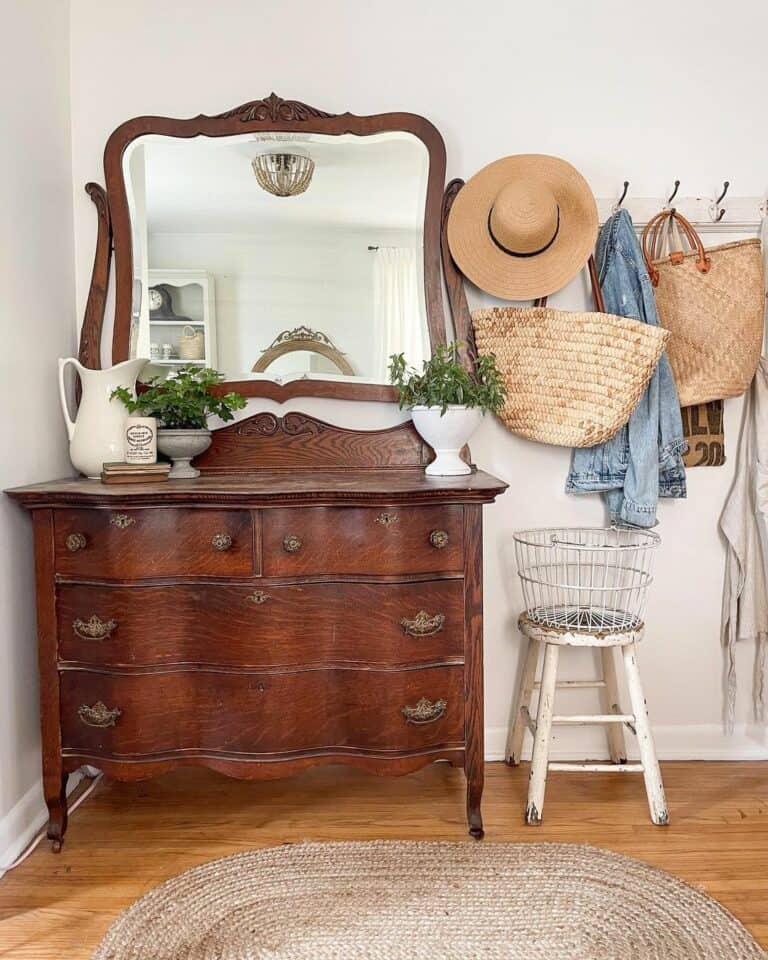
(127,838)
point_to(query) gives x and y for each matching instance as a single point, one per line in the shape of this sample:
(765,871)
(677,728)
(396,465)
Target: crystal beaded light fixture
(283,174)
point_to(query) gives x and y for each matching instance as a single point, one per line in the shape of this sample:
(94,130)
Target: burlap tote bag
(712,302)
(573,379)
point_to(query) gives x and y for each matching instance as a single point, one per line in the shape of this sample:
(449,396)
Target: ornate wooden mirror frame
(272,114)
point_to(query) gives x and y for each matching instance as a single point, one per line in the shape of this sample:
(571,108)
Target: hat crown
(524,217)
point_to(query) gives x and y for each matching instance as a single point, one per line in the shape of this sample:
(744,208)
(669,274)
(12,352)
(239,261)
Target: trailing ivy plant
(183,401)
(444,381)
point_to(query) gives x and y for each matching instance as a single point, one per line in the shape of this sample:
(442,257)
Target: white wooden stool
(553,638)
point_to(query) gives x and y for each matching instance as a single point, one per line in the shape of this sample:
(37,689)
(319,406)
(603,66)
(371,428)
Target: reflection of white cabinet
(192,298)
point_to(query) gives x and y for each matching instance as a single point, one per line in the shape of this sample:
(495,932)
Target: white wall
(38,325)
(652,94)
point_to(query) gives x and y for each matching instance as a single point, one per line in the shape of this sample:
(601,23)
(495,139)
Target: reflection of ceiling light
(283,174)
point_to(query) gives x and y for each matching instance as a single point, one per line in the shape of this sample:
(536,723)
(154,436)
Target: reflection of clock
(160,301)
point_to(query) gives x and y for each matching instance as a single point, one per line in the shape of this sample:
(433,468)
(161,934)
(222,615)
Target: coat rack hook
(623,195)
(716,212)
(674,192)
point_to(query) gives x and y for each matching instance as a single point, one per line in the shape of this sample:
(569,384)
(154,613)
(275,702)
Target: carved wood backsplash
(266,441)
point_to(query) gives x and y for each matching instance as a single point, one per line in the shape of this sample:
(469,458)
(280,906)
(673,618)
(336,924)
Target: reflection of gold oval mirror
(310,341)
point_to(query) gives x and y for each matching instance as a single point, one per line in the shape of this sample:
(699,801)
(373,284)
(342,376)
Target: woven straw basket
(713,302)
(573,379)
(191,343)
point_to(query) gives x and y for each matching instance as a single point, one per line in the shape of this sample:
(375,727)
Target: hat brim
(523,278)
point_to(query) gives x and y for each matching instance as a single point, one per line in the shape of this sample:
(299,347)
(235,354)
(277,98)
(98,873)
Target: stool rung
(574,684)
(597,767)
(528,720)
(595,718)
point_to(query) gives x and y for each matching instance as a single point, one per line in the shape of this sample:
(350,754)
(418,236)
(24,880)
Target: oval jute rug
(438,901)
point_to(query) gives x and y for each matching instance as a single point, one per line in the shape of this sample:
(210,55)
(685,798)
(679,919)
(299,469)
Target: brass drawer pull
(94,629)
(99,715)
(422,625)
(438,539)
(258,597)
(221,541)
(121,520)
(75,542)
(425,711)
(292,543)
(387,519)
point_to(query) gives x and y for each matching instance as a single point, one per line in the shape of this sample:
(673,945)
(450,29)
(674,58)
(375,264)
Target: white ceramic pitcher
(97,434)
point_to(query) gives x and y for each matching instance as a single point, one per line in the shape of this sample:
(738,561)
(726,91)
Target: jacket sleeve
(624,295)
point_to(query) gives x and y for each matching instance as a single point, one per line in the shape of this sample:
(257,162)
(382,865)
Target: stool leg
(651,772)
(522,701)
(610,695)
(540,760)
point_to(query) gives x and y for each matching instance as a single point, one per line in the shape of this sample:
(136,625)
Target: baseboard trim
(691,742)
(25,819)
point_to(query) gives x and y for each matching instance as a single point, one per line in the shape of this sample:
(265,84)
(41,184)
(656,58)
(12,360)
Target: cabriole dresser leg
(474,798)
(55,790)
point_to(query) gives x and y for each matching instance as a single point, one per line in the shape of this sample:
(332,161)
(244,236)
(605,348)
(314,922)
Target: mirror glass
(278,256)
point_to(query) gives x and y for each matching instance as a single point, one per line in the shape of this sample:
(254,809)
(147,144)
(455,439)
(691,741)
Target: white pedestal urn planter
(447,434)
(181,446)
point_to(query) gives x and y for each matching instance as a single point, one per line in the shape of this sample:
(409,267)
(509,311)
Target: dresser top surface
(265,488)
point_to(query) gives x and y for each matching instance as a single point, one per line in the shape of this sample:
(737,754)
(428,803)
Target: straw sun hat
(523,226)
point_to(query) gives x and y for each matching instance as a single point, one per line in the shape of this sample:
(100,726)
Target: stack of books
(134,472)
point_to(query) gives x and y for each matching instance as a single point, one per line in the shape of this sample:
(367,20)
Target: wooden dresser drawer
(362,540)
(248,626)
(160,714)
(132,544)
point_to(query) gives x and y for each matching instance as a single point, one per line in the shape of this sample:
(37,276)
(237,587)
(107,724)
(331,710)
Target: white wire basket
(586,579)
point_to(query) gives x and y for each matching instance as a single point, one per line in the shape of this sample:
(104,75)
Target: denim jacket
(644,460)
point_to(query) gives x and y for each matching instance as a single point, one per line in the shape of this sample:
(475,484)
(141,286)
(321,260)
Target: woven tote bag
(713,303)
(573,379)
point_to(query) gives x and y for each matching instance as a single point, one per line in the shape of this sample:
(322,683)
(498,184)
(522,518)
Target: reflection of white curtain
(399,316)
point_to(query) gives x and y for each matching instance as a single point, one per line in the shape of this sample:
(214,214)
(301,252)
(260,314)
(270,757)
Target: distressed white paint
(541,730)
(617,747)
(742,214)
(597,767)
(586,718)
(520,714)
(657,803)
(542,734)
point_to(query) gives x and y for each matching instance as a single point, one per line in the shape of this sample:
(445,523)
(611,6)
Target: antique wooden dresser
(259,622)
(313,597)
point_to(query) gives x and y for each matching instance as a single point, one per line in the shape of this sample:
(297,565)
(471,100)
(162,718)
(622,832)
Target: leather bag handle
(597,293)
(652,234)
(653,241)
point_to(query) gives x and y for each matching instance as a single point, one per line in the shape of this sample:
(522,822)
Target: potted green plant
(448,401)
(182,403)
